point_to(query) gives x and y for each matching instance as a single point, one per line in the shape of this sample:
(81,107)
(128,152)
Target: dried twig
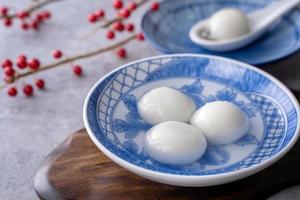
(73,58)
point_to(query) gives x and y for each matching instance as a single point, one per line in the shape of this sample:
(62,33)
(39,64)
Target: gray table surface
(31,127)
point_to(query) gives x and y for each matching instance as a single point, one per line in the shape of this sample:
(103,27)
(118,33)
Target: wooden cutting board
(76,169)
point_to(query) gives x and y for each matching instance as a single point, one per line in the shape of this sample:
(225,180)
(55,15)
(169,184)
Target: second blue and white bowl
(167,29)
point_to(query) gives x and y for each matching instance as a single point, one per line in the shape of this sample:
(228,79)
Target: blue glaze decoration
(113,118)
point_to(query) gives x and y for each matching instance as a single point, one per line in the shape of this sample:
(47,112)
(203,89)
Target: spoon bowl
(220,45)
(259,21)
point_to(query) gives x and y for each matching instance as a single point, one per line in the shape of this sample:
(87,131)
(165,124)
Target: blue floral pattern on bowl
(115,122)
(168,28)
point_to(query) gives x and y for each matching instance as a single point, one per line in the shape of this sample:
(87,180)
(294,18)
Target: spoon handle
(269,14)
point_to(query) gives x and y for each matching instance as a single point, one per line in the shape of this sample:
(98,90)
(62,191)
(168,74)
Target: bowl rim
(166,50)
(194,179)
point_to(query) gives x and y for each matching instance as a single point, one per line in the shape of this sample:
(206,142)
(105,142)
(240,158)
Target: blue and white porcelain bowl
(114,124)
(168,29)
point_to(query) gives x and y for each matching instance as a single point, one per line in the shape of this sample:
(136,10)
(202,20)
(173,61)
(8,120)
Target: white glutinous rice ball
(175,143)
(227,24)
(221,122)
(165,104)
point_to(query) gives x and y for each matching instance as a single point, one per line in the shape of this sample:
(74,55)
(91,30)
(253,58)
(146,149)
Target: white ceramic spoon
(259,22)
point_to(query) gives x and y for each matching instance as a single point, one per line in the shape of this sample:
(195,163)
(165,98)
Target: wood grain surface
(76,169)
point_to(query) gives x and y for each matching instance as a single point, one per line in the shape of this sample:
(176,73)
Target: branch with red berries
(124,12)
(30,18)
(25,67)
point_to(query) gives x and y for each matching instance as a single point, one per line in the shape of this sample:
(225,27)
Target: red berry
(22,57)
(99,13)
(24,26)
(9,71)
(28,90)
(132,6)
(121,53)
(21,63)
(35,25)
(39,17)
(46,14)
(92,18)
(23,14)
(125,13)
(8,79)
(3,11)
(110,35)
(77,70)
(118,26)
(57,54)
(6,63)
(130,27)
(7,22)
(154,6)
(140,36)
(34,64)
(118,4)
(12,91)
(40,83)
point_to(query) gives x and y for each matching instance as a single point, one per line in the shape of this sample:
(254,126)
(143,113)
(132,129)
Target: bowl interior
(114,120)
(168,29)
